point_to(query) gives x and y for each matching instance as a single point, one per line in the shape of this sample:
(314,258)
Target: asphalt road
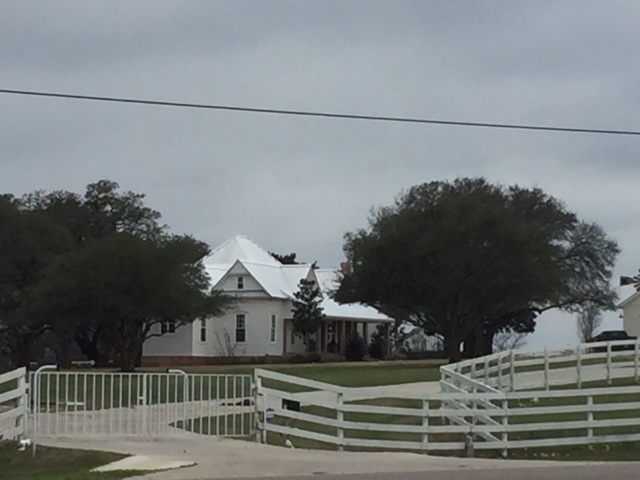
(617,471)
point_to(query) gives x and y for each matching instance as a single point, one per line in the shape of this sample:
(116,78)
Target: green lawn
(56,464)
(93,389)
(351,374)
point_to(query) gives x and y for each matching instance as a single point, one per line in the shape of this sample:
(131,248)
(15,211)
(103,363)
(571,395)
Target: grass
(98,389)
(56,464)
(238,425)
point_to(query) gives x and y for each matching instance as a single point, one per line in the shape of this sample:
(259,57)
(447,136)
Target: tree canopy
(126,285)
(107,246)
(468,259)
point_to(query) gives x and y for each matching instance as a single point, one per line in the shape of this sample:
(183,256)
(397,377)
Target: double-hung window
(168,326)
(241,328)
(273,329)
(203,330)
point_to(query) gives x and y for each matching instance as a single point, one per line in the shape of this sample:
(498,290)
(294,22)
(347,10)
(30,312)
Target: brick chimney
(345,268)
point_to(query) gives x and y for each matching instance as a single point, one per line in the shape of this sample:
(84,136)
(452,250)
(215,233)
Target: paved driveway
(234,458)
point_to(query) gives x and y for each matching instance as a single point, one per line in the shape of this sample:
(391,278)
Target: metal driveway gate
(91,404)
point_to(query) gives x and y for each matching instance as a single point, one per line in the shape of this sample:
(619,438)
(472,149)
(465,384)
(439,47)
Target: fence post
(36,405)
(505,426)
(546,369)
(499,371)
(609,363)
(636,360)
(340,419)
(578,366)
(590,417)
(22,406)
(486,370)
(425,425)
(260,423)
(512,370)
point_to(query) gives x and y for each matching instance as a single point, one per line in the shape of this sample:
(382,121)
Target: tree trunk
(64,338)
(20,352)
(89,340)
(479,335)
(452,348)
(487,348)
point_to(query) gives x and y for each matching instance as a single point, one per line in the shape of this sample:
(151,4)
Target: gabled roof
(281,281)
(240,248)
(630,293)
(278,281)
(328,280)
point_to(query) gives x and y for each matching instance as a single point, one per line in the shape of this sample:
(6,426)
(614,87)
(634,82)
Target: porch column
(323,337)
(284,333)
(343,336)
(387,338)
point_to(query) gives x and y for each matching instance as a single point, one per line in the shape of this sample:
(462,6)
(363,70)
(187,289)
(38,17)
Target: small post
(636,362)
(486,370)
(505,426)
(22,406)
(499,371)
(340,419)
(578,366)
(468,444)
(425,425)
(546,368)
(609,363)
(257,388)
(512,370)
(590,417)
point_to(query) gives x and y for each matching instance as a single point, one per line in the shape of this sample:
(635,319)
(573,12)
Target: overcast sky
(297,184)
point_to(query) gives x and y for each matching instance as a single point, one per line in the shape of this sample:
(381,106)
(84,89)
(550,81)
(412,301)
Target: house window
(240,283)
(272,330)
(241,328)
(168,327)
(203,330)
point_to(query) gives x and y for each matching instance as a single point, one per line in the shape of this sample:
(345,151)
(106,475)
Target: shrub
(355,349)
(377,348)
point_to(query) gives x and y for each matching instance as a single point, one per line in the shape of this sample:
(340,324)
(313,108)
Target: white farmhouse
(630,310)
(260,322)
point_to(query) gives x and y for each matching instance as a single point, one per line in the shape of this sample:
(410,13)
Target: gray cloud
(297,184)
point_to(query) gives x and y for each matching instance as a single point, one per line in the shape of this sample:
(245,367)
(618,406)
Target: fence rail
(505,401)
(13,404)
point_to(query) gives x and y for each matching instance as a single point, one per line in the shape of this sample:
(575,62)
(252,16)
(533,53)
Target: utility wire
(305,113)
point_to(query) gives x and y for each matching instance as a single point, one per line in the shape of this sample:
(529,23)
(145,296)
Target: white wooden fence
(501,402)
(520,370)
(13,404)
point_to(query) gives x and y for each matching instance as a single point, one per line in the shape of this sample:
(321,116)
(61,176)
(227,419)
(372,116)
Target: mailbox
(290,405)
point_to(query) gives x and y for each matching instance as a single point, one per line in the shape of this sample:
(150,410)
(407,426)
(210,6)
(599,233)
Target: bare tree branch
(589,320)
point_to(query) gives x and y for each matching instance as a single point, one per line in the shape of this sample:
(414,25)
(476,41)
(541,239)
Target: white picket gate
(91,404)
(13,404)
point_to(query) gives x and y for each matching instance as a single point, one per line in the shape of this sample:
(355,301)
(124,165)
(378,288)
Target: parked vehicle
(612,336)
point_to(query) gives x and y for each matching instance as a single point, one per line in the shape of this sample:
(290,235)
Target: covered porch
(335,333)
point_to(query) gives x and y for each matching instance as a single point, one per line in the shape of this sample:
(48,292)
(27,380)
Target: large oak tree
(468,259)
(125,285)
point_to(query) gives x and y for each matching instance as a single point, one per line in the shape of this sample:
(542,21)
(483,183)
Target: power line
(305,113)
